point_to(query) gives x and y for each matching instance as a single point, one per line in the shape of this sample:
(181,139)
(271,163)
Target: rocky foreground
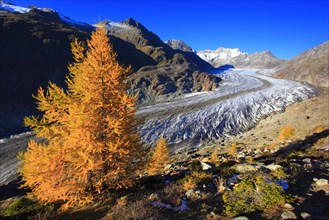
(286,183)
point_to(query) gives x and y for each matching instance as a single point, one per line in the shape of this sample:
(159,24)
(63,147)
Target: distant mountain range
(232,56)
(237,58)
(312,66)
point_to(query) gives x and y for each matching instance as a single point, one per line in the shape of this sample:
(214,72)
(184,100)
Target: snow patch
(69,20)
(111,24)
(19,9)
(182,207)
(219,53)
(14,8)
(16,136)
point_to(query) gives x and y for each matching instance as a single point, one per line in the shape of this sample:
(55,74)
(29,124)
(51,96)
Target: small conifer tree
(214,157)
(286,133)
(91,136)
(232,150)
(159,159)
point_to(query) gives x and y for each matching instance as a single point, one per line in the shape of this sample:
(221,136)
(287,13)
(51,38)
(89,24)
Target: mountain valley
(247,133)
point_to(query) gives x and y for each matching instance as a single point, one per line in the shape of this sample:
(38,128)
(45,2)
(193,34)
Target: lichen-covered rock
(288,215)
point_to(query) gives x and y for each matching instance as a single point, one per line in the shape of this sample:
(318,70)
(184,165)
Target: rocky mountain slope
(35,48)
(167,72)
(312,66)
(237,58)
(179,45)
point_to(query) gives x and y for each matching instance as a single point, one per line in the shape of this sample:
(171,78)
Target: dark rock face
(312,66)
(159,71)
(35,49)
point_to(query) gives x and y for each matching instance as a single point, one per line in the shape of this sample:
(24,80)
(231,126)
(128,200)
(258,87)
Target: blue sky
(287,28)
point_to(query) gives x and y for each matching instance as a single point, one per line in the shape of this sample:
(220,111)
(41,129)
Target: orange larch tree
(286,133)
(91,139)
(159,159)
(232,150)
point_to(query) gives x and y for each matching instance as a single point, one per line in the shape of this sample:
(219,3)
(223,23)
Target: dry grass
(220,184)
(188,184)
(320,128)
(232,150)
(214,158)
(140,208)
(172,194)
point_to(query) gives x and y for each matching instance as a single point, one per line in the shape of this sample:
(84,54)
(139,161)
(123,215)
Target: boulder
(241,155)
(321,182)
(206,166)
(273,167)
(192,193)
(306,160)
(288,206)
(288,215)
(240,218)
(168,167)
(153,197)
(246,168)
(305,215)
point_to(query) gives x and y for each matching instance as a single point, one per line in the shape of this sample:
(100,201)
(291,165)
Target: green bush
(196,165)
(194,179)
(226,169)
(279,174)
(253,195)
(22,205)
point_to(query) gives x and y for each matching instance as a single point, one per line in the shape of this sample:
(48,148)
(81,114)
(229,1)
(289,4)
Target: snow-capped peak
(13,8)
(108,24)
(238,58)
(20,9)
(220,53)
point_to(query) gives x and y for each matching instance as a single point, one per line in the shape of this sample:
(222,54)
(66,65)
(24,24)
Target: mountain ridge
(311,66)
(231,56)
(236,57)
(179,45)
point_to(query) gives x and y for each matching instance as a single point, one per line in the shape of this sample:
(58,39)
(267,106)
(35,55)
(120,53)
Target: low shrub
(319,129)
(226,169)
(279,174)
(233,150)
(194,179)
(253,194)
(23,205)
(172,194)
(286,133)
(138,209)
(196,165)
(214,158)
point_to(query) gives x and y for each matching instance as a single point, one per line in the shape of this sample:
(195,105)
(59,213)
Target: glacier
(245,97)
